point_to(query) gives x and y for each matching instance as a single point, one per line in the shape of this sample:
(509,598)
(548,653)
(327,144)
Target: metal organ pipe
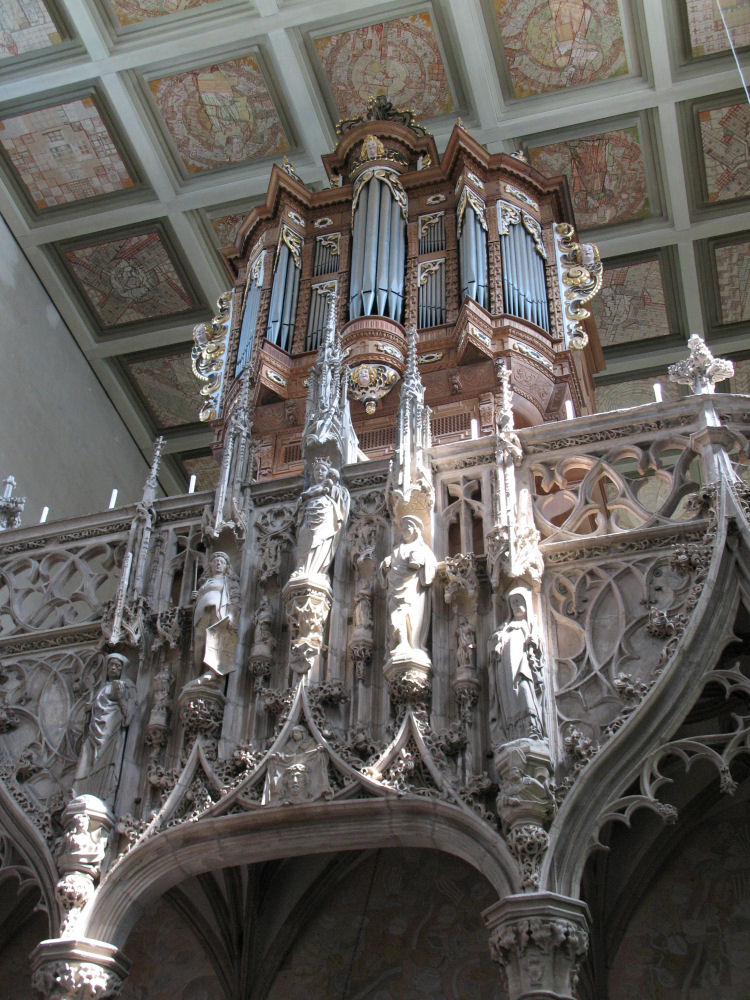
(249,321)
(277,296)
(370,264)
(473,251)
(384,249)
(396,262)
(378,251)
(524,283)
(289,312)
(358,246)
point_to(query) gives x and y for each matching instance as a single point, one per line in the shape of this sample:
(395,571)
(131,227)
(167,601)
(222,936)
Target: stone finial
(409,488)
(328,430)
(700,370)
(152,481)
(10,507)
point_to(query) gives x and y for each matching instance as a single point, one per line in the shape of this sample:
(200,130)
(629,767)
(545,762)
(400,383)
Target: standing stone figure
(321,517)
(264,641)
(217,602)
(515,682)
(408,573)
(99,764)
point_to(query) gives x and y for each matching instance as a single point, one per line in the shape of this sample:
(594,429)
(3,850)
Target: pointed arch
(29,843)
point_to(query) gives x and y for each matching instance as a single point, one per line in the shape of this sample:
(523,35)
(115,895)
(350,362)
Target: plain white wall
(59,434)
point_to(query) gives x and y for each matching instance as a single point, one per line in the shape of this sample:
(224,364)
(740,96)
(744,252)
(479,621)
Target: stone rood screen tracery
(456,620)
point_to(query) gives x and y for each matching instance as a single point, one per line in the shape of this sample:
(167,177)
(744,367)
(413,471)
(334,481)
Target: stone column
(539,939)
(78,969)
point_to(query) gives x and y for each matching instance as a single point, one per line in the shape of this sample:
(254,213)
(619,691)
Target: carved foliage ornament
(209,356)
(389,178)
(581,275)
(700,370)
(468,197)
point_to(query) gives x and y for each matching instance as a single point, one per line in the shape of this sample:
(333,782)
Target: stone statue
(112,709)
(321,517)
(465,645)
(362,610)
(217,602)
(408,573)
(299,773)
(515,682)
(264,641)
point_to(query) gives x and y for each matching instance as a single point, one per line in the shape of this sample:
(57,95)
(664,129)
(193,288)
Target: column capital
(538,939)
(78,969)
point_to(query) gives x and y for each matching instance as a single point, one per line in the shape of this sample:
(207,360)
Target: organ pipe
(472,242)
(318,313)
(524,285)
(284,294)
(378,245)
(250,314)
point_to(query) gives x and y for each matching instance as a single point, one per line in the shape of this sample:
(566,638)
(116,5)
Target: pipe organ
(474,250)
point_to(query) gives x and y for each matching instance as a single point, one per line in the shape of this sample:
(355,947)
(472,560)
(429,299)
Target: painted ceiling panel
(169,387)
(399,58)
(226,227)
(220,114)
(605,172)
(553,45)
(129,280)
(725,141)
(741,380)
(707,32)
(64,153)
(135,11)
(25,26)
(733,272)
(631,301)
(621,395)
(204,468)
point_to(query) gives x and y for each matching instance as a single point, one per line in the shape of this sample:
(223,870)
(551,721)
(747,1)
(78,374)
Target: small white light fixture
(569,411)
(658,393)
(474,428)
(113,499)
(191,484)
(45,515)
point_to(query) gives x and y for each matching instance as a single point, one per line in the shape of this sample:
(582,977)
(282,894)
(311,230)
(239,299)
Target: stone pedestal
(525,803)
(87,823)
(78,969)
(307,600)
(539,939)
(201,713)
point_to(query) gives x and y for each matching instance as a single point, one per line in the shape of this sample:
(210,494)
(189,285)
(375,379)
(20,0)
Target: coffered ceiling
(135,135)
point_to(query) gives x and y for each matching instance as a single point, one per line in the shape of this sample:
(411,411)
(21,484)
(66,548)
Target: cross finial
(700,370)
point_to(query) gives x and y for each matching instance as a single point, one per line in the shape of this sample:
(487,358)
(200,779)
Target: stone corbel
(525,804)
(87,823)
(539,939)
(78,969)
(308,603)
